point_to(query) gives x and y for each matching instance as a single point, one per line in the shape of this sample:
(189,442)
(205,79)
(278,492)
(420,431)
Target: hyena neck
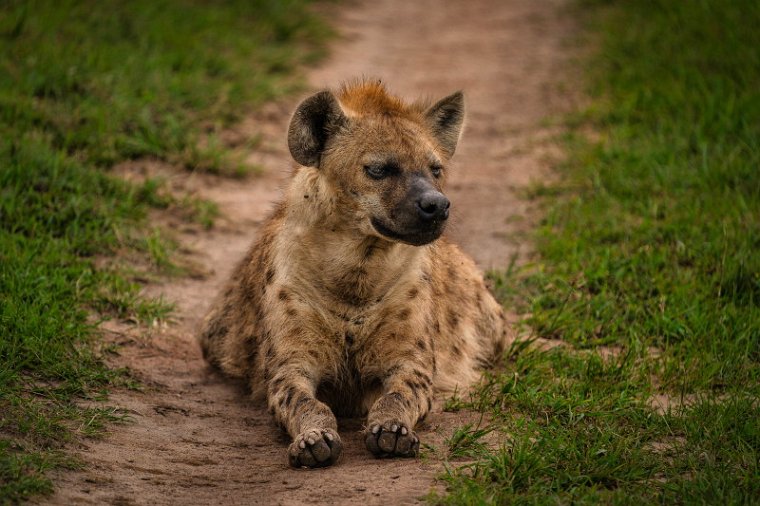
(339,261)
(362,272)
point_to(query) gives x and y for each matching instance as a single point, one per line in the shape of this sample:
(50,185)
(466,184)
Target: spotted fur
(329,314)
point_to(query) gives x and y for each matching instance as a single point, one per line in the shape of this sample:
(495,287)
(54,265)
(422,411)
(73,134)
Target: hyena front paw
(315,448)
(392,439)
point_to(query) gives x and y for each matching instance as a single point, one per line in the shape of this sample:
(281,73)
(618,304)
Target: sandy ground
(195,438)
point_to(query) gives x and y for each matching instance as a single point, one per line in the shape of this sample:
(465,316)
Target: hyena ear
(317,119)
(445,119)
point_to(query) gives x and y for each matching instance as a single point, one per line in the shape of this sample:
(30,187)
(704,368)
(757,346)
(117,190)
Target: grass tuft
(466,441)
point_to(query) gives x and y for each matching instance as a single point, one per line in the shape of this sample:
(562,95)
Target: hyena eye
(377,171)
(436,170)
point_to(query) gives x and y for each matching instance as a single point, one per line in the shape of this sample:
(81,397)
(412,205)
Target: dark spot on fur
(306,196)
(412,385)
(280,362)
(269,276)
(429,403)
(413,293)
(283,295)
(350,288)
(404,314)
(303,399)
(349,338)
(421,345)
(250,293)
(291,312)
(453,319)
(216,330)
(393,370)
(422,377)
(252,349)
(289,393)
(456,350)
(369,251)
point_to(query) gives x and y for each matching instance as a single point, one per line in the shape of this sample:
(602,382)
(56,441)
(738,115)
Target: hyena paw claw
(392,439)
(315,448)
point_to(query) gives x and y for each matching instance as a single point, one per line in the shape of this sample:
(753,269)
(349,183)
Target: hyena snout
(433,206)
(420,217)
(429,207)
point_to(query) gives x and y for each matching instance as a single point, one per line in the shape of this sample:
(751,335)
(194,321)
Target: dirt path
(195,438)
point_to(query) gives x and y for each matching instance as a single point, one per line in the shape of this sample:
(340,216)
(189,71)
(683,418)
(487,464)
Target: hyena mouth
(419,237)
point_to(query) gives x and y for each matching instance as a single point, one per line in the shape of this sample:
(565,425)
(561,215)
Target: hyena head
(382,161)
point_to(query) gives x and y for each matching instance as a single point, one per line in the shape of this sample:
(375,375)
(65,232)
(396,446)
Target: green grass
(649,273)
(83,86)
(466,441)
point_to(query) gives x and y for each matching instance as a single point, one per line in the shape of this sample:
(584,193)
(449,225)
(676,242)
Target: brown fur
(327,314)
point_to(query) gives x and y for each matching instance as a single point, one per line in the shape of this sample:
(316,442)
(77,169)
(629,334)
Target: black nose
(433,205)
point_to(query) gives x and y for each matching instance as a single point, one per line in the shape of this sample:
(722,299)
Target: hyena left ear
(316,119)
(445,119)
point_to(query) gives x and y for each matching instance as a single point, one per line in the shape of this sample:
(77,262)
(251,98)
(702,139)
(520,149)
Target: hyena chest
(352,387)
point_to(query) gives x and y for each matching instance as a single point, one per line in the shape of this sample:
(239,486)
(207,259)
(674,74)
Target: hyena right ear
(445,119)
(317,119)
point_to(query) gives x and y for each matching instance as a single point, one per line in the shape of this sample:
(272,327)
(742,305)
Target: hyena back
(349,302)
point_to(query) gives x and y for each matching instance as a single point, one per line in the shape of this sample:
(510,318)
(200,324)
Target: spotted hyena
(350,303)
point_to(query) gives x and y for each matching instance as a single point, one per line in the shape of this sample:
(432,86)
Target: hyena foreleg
(310,422)
(407,398)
